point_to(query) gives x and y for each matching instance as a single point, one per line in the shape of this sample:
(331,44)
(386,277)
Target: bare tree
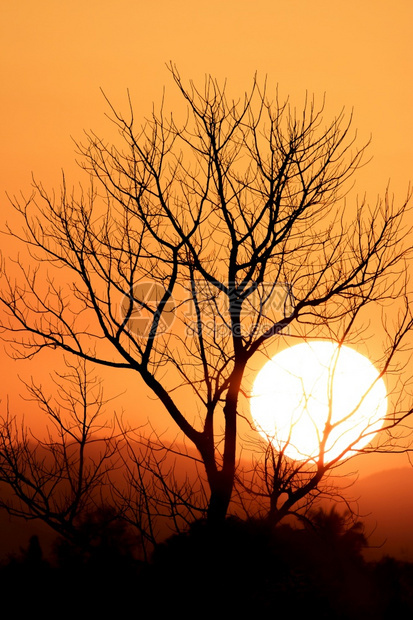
(161,491)
(169,264)
(61,477)
(88,469)
(273,486)
(291,472)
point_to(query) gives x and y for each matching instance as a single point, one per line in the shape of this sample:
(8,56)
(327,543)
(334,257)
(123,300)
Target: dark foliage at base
(249,567)
(243,567)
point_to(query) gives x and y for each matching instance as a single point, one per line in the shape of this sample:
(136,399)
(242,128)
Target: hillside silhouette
(359,571)
(241,567)
(384,503)
(386,508)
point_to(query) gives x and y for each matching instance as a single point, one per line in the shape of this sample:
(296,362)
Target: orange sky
(55,56)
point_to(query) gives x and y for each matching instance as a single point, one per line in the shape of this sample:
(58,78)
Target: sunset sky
(56,56)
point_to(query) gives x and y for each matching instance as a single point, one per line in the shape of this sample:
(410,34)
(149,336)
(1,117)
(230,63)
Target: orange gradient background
(56,56)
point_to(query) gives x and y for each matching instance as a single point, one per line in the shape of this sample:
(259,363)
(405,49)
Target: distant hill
(385,505)
(386,508)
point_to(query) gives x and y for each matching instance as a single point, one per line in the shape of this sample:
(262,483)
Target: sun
(318,391)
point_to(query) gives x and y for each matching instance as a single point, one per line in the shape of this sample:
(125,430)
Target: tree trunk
(221,491)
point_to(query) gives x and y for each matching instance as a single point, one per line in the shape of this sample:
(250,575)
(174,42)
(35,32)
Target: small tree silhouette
(339,531)
(90,478)
(59,478)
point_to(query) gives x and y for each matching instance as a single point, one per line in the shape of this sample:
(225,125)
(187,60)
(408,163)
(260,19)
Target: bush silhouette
(250,566)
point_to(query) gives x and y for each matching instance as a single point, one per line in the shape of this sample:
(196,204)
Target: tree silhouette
(200,243)
(89,473)
(157,496)
(59,478)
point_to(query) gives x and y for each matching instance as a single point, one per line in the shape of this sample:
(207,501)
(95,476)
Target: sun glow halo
(305,386)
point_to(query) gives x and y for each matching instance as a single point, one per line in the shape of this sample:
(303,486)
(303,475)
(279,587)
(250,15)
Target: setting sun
(315,392)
